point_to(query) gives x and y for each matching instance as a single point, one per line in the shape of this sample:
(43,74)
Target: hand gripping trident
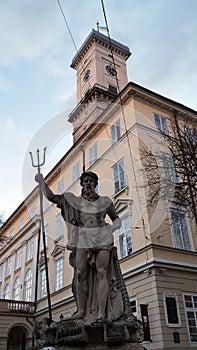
(38,166)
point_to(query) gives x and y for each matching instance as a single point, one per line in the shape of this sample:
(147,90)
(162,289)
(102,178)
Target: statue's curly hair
(91,174)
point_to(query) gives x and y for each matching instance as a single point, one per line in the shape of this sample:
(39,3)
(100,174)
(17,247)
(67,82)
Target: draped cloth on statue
(92,239)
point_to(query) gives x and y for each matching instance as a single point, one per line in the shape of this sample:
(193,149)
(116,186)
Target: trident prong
(38,165)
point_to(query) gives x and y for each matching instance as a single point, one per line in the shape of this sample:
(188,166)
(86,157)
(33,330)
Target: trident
(38,166)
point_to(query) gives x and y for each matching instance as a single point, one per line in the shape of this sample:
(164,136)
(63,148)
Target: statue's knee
(101,272)
(81,274)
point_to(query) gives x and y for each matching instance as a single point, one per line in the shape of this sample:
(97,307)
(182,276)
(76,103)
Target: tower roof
(104,40)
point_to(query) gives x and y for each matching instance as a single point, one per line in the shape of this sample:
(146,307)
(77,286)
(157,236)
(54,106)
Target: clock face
(86,75)
(111,70)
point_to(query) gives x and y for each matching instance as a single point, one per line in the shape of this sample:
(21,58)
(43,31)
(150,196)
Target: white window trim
(125,178)
(182,210)
(171,294)
(136,303)
(76,171)
(118,235)
(115,125)
(186,309)
(93,148)
(58,257)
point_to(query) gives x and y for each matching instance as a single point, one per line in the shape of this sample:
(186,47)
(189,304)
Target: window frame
(118,175)
(179,211)
(58,274)
(43,283)
(59,226)
(22,223)
(161,123)
(30,249)
(93,154)
(76,171)
(9,266)
(28,285)
(19,258)
(7,291)
(172,295)
(190,309)
(60,186)
(114,130)
(124,234)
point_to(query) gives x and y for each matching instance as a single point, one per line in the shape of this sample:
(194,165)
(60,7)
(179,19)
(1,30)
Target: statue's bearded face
(88,183)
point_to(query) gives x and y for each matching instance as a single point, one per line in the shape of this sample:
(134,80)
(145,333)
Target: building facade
(157,245)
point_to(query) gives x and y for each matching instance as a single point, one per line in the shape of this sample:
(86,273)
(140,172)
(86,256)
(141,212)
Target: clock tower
(99,74)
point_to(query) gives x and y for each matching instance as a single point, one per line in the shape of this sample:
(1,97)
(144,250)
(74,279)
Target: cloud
(13,142)
(27,28)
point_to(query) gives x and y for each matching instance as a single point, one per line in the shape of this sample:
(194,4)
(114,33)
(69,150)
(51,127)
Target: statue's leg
(102,261)
(81,272)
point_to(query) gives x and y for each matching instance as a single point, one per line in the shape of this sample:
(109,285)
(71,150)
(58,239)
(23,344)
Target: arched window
(7,291)
(28,285)
(17,289)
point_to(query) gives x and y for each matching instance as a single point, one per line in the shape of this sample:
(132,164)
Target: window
(112,88)
(30,250)
(22,223)
(115,131)
(12,233)
(168,167)
(46,230)
(180,230)
(133,303)
(93,154)
(19,258)
(32,212)
(1,273)
(43,286)
(59,226)
(125,241)
(119,175)
(58,273)
(7,291)
(9,266)
(46,203)
(28,285)
(17,289)
(60,186)
(3,241)
(76,171)
(191,315)
(171,309)
(161,123)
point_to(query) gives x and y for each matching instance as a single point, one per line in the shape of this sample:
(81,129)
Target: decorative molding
(59,249)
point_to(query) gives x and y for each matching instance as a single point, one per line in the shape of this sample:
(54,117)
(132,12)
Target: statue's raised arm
(54,198)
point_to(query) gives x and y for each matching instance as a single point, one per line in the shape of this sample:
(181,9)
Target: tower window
(112,89)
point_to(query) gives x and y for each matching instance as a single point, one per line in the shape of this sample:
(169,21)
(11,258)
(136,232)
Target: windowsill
(124,189)
(58,238)
(42,250)
(28,261)
(17,269)
(7,277)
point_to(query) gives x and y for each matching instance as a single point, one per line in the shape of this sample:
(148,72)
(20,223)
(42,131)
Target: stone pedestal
(127,346)
(115,336)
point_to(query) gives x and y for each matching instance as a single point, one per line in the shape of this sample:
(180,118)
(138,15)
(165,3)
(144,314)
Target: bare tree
(174,173)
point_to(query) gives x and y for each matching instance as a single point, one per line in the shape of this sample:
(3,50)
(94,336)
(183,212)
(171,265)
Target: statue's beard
(89,194)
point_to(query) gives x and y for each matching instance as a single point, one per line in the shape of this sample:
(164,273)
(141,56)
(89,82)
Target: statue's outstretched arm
(54,198)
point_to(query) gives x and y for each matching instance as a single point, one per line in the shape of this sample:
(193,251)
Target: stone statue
(98,286)
(90,239)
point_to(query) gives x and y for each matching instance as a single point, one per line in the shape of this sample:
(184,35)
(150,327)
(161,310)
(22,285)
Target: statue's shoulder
(69,197)
(106,200)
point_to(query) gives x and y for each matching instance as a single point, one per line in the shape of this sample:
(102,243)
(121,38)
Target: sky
(38,87)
